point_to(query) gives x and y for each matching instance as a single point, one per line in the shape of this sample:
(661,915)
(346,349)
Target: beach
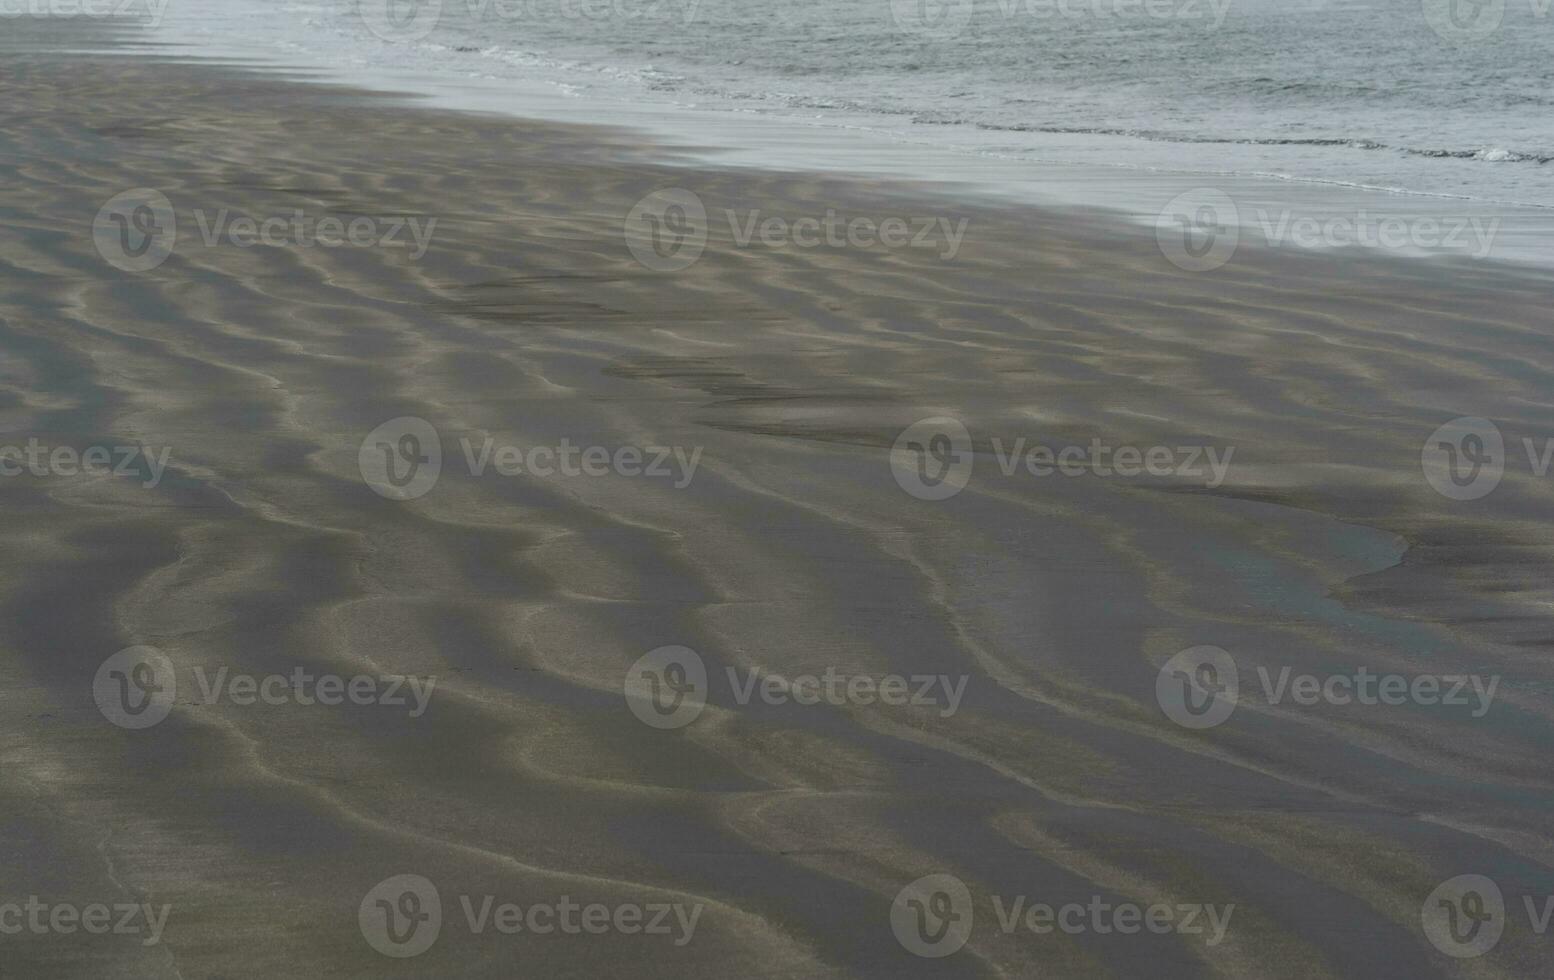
(979,471)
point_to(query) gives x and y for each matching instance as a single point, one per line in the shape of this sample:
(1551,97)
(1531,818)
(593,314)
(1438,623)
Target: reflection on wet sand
(791,550)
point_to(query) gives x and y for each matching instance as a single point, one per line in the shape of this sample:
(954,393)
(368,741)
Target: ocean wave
(1488,154)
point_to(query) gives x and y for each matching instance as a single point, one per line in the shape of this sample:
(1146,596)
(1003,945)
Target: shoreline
(530,587)
(1325,214)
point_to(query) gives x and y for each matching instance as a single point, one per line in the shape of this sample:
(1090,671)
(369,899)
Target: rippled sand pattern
(792,550)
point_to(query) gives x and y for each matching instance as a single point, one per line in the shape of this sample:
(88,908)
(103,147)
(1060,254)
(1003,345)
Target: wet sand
(792,550)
